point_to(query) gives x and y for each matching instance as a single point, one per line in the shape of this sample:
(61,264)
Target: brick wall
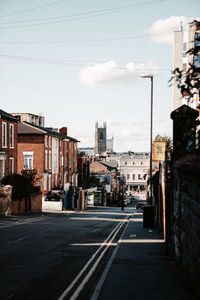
(33,143)
(32,204)
(186,217)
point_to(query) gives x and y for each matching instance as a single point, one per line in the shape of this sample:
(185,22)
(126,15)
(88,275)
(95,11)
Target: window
(125,163)
(133,163)
(28,161)
(101,136)
(133,176)
(141,163)
(49,159)
(11,135)
(11,165)
(4,134)
(50,141)
(46,141)
(139,177)
(184,49)
(46,160)
(128,176)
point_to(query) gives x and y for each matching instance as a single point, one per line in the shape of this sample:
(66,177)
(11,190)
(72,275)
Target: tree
(23,185)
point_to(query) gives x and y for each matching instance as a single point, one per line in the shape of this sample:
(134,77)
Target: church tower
(100,139)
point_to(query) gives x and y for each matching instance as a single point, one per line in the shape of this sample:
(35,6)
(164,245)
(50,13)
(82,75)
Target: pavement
(140,268)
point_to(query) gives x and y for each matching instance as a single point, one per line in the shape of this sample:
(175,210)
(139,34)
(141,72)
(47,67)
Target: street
(58,256)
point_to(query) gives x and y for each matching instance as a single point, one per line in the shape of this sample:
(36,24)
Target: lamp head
(146,75)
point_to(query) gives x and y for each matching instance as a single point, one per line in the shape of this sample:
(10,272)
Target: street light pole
(151,133)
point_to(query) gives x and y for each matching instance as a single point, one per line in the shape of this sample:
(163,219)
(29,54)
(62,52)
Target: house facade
(8,144)
(134,169)
(52,153)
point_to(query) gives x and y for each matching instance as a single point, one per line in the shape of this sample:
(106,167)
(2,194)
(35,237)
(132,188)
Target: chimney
(63,130)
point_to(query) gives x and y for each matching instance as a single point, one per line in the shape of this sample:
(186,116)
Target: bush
(22,187)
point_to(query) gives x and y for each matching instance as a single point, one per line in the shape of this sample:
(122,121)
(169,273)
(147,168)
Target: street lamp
(151,130)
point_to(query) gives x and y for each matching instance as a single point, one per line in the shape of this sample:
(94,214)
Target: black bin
(148,216)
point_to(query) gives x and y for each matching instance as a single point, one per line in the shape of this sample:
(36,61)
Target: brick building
(109,180)
(53,154)
(8,144)
(83,169)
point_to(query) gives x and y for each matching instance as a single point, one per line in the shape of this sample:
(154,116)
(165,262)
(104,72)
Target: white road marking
(98,288)
(18,240)
(68,289)
(26,222)
(90,273)
(95,230)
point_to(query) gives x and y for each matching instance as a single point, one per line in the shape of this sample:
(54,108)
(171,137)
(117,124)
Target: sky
(79,62)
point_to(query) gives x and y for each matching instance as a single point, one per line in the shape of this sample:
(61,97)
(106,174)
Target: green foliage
(23,185)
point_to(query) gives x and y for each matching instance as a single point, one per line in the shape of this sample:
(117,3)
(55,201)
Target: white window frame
(46,140)
(30,154)
(11,136)
(4,134)
(11,165)
(46,160)
(49,182)
(50,141)
(3,166)
(50,160)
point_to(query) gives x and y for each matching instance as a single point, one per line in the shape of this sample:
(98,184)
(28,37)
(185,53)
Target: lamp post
(151,130)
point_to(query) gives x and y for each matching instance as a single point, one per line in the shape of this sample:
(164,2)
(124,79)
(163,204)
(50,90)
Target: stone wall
(5,200)
(186,217)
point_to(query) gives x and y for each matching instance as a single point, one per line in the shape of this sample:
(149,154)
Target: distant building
(183,41)
(100,139)
(87,150)
(37,120)
(134,168)
(109,145)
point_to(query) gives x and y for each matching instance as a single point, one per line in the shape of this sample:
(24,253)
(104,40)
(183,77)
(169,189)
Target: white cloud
(162,30)
(111,72)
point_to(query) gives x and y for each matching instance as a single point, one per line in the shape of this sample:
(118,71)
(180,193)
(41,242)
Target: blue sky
(78,62)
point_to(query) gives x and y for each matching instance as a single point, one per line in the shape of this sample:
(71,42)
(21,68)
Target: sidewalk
(141,270)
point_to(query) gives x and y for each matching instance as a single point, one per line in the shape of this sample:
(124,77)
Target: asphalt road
(58,256)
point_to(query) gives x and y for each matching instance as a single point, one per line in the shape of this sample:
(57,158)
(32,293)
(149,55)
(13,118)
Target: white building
(134,168)
(87,150)
(183,41)
(109,145)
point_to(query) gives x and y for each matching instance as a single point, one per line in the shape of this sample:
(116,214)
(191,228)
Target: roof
(112,163)
(29,129)
(108,166)
(7,116)
(51,132)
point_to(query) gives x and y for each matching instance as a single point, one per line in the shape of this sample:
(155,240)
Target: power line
(33,8)
(83,41)
(64,97)
(56,61)
(80,16)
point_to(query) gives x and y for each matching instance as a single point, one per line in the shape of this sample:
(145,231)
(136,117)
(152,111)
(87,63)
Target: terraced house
(51,152)
(8,144)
